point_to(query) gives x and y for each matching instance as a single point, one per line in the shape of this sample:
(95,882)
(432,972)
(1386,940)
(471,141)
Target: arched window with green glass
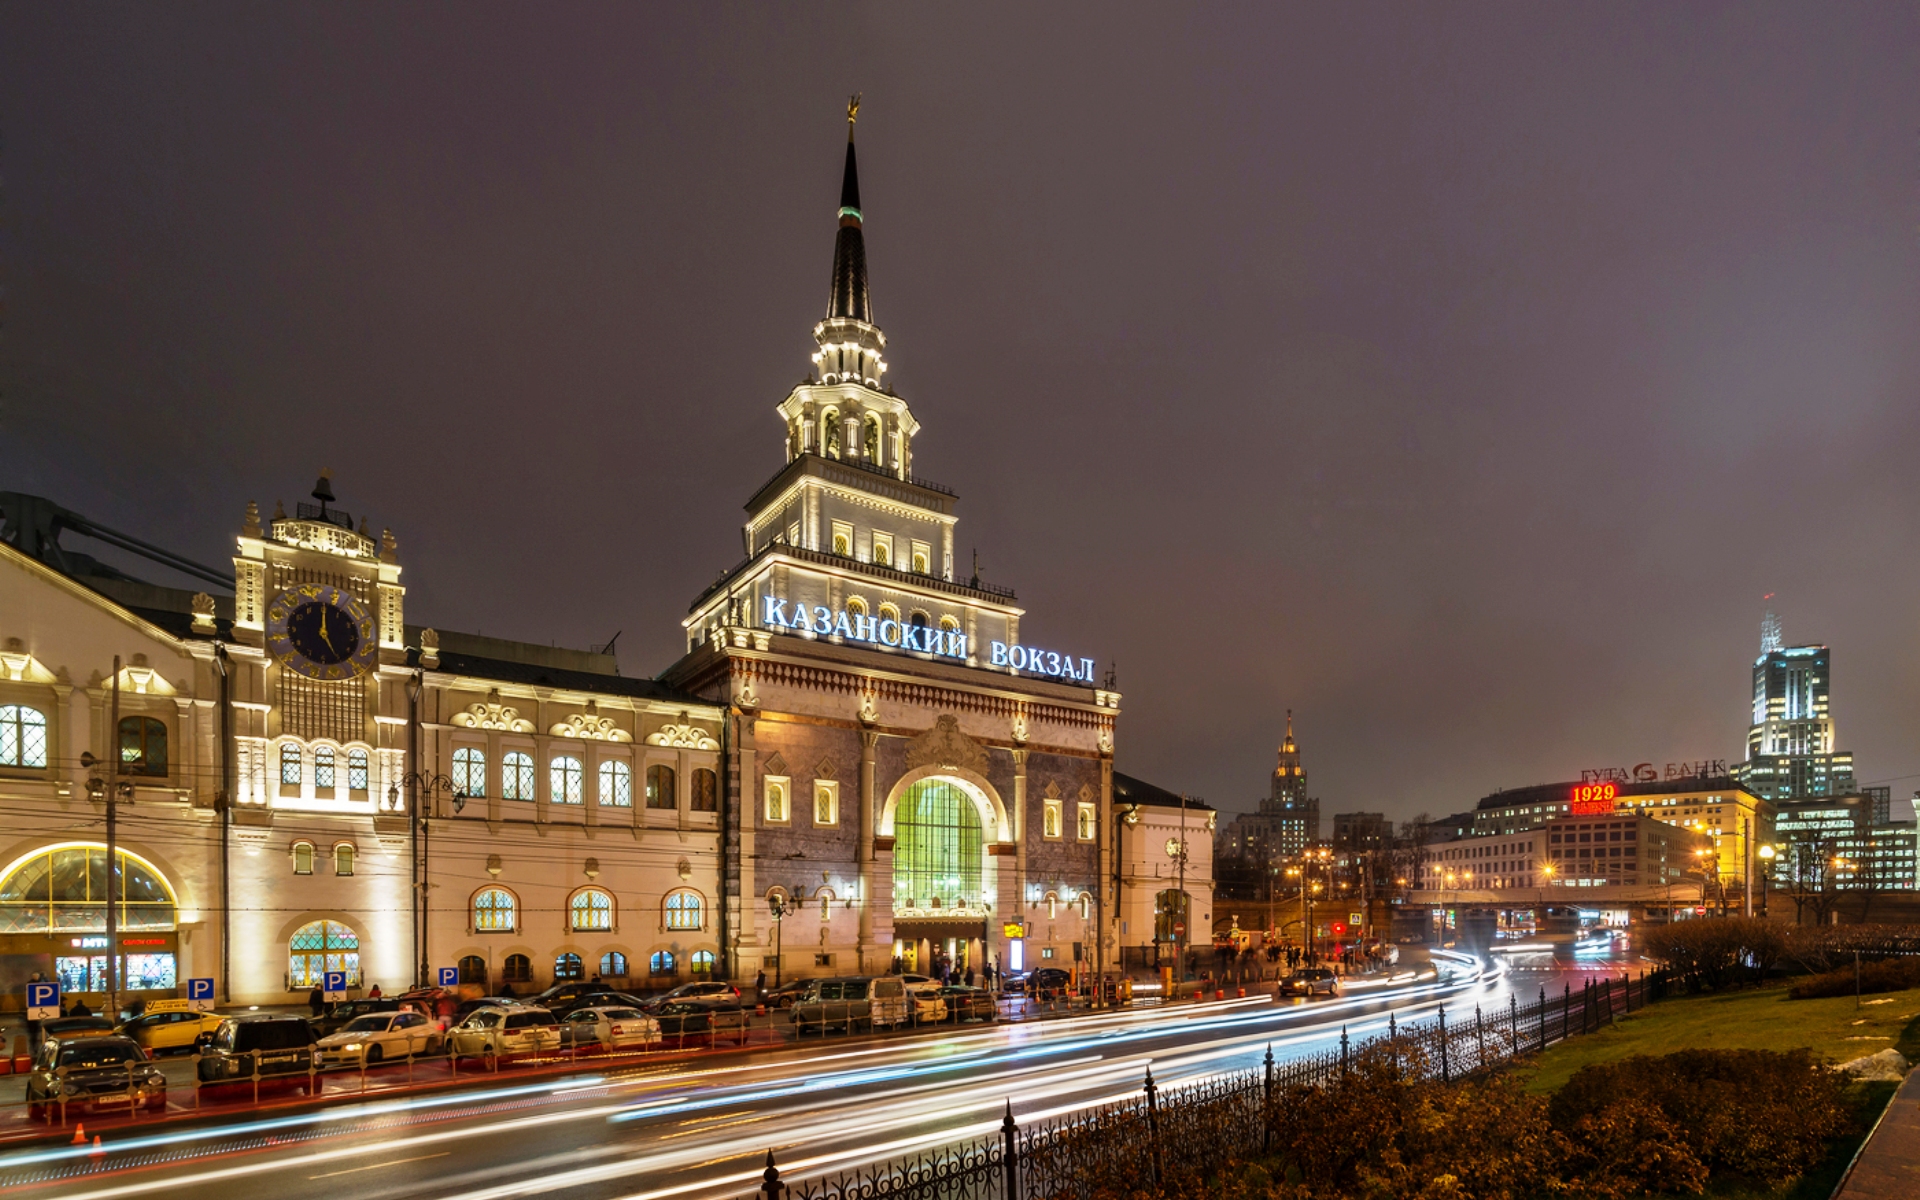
(318,947)
(63,889)
(937,847)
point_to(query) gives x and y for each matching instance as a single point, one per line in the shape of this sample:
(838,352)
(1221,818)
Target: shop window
(826,802)
(566,780)
(516,776)
(661,787)
(323,768)
(143,746)
(592,909)
(776,808)
(684,910)
(616,784)
(568,966)
(706,790)
(23,736)
(356,770)
(470,771)
(494,911)
(702,962)
(517,969)
(303,858)
(343,859)
(661,963)
(613,965)
(319,947)
(291,768)
(472,969)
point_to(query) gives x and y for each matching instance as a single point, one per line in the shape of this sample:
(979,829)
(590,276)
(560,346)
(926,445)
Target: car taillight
(619,1028)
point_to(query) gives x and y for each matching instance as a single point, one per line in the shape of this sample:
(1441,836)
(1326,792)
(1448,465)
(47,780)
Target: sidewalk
(1889,1164)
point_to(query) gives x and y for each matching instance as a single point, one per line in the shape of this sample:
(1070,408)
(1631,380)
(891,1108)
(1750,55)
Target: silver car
(1307,981)
(498,1032)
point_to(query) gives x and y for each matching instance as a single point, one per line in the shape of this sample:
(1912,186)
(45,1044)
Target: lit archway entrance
(940,893)
(54,902)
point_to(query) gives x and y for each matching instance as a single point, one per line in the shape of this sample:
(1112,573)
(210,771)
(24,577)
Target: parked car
(501,1032)
(695,991)
(72,1027)
(467,1008)
(860,1002)
(1041,983)
(434,1002)
(563,998)
(270,1044)
(93,1071)
(169,1025)
(788,992)
(614,1027)
(714,1016)
(377,1037)
(927,1007)
(1308,980)
(921,985)
(969,1004)
(336,1018)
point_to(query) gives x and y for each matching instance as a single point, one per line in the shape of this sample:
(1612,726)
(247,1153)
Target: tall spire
(849,298)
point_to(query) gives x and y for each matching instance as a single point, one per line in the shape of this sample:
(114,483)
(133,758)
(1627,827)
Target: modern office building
(1790,744)
(1359,831)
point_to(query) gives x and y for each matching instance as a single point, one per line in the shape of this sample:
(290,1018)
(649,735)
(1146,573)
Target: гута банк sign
(822,621)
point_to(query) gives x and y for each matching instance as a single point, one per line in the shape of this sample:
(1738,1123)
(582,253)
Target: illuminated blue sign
(1041,662)
(822,621)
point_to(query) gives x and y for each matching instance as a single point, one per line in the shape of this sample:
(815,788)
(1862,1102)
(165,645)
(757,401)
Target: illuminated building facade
(1790,745)
(1288,819)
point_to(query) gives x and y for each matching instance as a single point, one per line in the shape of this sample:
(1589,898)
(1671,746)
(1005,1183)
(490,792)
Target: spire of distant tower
(1769,633)
(1289,752)
(849,297)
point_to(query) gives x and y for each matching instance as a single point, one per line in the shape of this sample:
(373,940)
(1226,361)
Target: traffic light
(1339,928)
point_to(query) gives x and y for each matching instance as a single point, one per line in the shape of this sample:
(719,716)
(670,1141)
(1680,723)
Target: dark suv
(269,1043)
(94,1072)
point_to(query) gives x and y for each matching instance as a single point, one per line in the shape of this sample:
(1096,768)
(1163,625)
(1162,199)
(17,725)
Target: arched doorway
(941,895)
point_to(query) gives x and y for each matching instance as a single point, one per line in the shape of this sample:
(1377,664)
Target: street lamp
(423,786)
(777,906)
(1767,854)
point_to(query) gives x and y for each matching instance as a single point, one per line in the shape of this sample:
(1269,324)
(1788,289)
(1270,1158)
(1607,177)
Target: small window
(303,858)
(856,607)
(920,619)
(516,776)
(517,969)
(493,911)
(883,549)
(143,746)
(566,781)
(592,910)
(702,961)
(684,910)
(661,787)
(616,784)
(776,800)
(1050,822)
(1088,822)
(921,556)
(661,963)
(889,612)
(1086,905)
(343,859)
(568,966)
(23,736)
(290,765)
(323,768)
(473,969)
(826,802)
(842,539)
(356,770)
(613,965)
(470,771)
(706,790)
(950,624)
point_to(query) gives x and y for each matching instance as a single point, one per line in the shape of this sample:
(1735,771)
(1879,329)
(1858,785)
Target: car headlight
(53,1089)
(350,1047)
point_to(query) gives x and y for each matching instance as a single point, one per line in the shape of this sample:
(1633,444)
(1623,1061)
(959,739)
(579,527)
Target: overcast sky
(1461,377)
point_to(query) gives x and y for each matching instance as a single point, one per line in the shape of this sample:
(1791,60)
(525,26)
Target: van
(859,1002)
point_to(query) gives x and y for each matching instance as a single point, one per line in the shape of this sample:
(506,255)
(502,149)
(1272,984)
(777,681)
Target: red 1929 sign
(1594,799)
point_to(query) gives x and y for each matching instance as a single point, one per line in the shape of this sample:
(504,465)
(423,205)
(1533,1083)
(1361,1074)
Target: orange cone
(96,1145)
(79,1133)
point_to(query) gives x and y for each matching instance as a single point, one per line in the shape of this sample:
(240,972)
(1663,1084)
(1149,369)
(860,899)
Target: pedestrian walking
(760,985)
(316,1001)
(373,993)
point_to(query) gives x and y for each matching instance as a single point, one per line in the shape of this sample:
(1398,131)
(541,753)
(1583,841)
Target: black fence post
(770,1185)
(1445,1070)
(1343,1051)
(1513,1025)
(1266,1107)
(1153,1129)
(1566,1009)
(1543,1016)
(1010,1155)
(1479,1039)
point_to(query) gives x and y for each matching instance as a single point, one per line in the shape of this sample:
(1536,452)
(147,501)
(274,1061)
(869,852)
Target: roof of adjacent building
(1129,790)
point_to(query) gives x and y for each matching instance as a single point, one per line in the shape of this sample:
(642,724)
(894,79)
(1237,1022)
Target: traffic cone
(79,1133)
(97,1151)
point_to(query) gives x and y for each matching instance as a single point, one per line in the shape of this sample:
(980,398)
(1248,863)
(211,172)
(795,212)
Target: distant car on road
(708,990)
(850,1005)
(788,992)
(1307,981)
(1041,983)
(716,1016)
(93,1072)
(72,1027)
(563,998)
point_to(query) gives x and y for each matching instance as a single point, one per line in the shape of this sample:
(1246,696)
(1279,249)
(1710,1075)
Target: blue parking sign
(43,1001)
(334,986)
(200,995)
(449,976)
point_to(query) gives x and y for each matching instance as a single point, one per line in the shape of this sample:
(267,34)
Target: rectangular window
(826,802)
(356,770)
(290,765)
(779,799)
(1050,822)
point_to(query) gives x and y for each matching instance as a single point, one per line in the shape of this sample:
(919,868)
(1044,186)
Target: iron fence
(1172,1138)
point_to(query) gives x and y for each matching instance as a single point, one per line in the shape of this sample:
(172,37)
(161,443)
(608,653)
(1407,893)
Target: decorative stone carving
(491,714)
(685,736)
(591,868)
(429,648)
(869,708)
(684,868)
(1086,792)
(494,866)
(203,608)
(946,747)
(1106,741)
(1020,727)
(826,769)
(250,527)
(593,727)
(1052,790)
(776,765)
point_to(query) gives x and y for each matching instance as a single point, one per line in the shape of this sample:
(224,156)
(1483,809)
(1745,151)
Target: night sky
(1461,377)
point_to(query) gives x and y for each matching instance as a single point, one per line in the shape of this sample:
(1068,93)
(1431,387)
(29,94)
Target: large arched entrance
(942,893)
(53,907)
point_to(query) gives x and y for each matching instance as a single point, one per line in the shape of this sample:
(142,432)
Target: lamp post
(422,787)
(112,790)
(1767,854)
(777,907)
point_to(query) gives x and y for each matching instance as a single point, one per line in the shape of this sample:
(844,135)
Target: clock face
(1173,847)
(321,632)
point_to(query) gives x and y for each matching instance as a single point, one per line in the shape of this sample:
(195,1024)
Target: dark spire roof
(849,297)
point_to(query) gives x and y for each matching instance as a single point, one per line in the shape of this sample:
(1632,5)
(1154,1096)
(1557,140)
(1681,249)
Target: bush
(1888,975)
(1760,1114)
(1714,952)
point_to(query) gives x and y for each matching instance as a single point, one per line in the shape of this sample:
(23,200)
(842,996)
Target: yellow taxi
(169,1025)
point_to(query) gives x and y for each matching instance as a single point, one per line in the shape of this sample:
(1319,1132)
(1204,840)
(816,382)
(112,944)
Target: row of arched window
(23,741)
(327,768)
(567,781)
(518,968)
(591,909)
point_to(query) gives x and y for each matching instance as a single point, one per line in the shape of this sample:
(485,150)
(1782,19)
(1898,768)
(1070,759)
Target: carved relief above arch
(491,714)
(994,821)
(945,746)
(590,726)
(686,736)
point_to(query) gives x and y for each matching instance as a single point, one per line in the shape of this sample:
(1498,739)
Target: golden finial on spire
(853,109)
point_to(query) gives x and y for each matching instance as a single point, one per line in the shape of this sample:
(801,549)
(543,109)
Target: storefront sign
(90,943)
(1646,772)
(1593,799)
(822,621)
(1013,929)
(1041,662)
(142,941)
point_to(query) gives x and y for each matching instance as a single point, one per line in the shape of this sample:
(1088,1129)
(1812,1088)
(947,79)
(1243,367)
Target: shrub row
(1888,975)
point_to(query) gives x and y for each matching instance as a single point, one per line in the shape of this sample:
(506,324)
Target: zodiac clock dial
(321,632)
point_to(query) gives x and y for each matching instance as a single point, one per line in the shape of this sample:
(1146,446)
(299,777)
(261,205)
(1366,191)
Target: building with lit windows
(1790,745)
(1287,821)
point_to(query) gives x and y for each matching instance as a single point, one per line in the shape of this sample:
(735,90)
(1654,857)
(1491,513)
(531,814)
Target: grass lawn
(1762,1019)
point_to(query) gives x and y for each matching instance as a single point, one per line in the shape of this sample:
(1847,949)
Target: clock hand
(323,630)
